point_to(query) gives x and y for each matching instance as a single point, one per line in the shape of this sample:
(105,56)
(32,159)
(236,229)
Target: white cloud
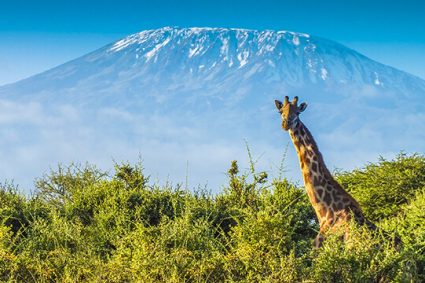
(35,137)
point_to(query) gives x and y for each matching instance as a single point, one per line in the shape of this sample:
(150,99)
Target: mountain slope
(198,58)
(178,95)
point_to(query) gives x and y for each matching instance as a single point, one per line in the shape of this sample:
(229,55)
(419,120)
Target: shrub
(383,187)
(84,225)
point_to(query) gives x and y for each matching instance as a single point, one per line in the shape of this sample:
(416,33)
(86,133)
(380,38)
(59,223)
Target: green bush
(83,225)
(383,187)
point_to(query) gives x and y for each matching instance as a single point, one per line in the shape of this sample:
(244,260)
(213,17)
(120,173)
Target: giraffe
(333,205)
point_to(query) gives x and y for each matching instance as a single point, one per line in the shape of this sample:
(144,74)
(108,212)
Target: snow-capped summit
(183,59)
(178,95)
(294,58)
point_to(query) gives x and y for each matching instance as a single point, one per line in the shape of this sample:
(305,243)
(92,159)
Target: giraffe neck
(325,194)
(311,160)
(332,204)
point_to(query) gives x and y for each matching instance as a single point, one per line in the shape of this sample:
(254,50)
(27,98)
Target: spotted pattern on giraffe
(332,204)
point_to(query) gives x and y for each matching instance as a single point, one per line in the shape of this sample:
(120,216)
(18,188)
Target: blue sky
(38,35)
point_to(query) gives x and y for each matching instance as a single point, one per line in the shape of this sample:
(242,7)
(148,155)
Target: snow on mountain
(192,95)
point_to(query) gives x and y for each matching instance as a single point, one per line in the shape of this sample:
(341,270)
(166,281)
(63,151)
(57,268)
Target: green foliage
(383,187)
(82,225)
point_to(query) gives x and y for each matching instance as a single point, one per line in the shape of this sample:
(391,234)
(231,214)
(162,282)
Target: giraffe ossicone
(333,205)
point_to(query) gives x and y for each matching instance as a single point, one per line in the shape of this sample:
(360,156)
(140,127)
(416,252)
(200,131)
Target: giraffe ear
(278,104)
(302,107)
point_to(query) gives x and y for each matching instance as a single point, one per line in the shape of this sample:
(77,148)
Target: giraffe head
(289,112)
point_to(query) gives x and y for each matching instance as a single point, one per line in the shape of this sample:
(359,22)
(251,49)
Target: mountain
(184,99)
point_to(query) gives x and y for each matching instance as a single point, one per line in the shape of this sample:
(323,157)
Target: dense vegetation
(84,225)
